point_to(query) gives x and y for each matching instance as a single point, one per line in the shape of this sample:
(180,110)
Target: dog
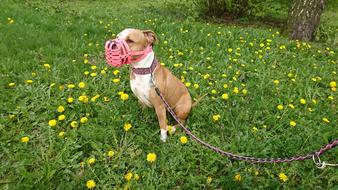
(134,47)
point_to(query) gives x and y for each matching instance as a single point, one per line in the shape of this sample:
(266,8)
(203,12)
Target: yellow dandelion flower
(276,82)
(229,50)
(110,153)
(82,85)
(196,86)
(326,120)
(188,84)
(236,90)
(11,84)
(291,106)
(116,72)
(70,86)
(293,123)
(61,134)
(151,157)
(283,177)
(83,98)
(124,97)
(127,126)
(46,65)
(244,91)
(93,67)
(280,107)
(116,80)
(213,91)
(216,117)
(302,101)
(128,176)
(225,86)
(93,74)
(83,120)
(90,184)
(61,117)
(91,161)
(333,84)
(25,139)
(103,72)
(209,179)
(86,73)
(29,81)
(70,100)
(225,96)
(238,177)
(136,177)
(61,109)
(85,61)
(74,124)
(52,122)
(183,139)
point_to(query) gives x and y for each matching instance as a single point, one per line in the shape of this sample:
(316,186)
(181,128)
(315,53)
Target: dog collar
(145,71)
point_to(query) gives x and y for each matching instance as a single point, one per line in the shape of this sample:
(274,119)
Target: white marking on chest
(141,84)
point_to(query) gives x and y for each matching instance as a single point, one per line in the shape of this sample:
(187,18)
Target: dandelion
(61,109)
(91,161)
(85,61)
(86,73)
(70,100)
(82,85)
(93,99)
(70,86)
(136,177)
(183,139)
(216,117)
(293,123)
(29,81)
(83,120)
(124,97)
(61,134)
(188,84)
(291,106)
(61,117)
(238,177)
(110,153)
(25,139)
(280,107)
(283,177)
(128,176)
(225,96)
(90,184)
(276,82)
(302,101)
(225,86)
(213,91)
(74,124)
(127,126)
(46,65)
(151,157)
(196,86)
(93,74)
(103,72)
(83,98)
(209,179)
(52,122)
(333,84)
(11,84)
(326,120)
(229,50)
(93,67)
(236,90)
(116,80)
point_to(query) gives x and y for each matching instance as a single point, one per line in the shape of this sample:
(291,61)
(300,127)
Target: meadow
(69,121)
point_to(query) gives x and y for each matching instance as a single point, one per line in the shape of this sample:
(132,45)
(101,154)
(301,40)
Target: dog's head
(138,40)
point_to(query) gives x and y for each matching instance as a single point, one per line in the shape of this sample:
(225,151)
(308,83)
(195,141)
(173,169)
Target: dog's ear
(151,36)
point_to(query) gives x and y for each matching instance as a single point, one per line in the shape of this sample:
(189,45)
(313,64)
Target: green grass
(61,33)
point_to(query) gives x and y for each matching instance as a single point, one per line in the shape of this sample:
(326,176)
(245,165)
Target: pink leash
(314,155)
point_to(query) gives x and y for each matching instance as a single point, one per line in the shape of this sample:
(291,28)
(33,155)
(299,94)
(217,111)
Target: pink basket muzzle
(118,53)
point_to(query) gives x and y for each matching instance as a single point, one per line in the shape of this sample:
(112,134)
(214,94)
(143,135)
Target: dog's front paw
(164,135)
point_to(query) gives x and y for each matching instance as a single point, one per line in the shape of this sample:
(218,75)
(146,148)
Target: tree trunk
(304,18)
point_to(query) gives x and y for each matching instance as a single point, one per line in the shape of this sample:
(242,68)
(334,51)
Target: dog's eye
(129,41)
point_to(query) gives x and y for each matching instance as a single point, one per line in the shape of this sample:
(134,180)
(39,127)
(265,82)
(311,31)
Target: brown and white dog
(173,90)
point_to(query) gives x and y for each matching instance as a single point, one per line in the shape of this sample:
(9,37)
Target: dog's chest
(141,86)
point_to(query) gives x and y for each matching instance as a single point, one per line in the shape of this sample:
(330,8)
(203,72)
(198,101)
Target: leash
(314,155)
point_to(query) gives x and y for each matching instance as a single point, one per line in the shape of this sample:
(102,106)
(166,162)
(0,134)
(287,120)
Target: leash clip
(321,165)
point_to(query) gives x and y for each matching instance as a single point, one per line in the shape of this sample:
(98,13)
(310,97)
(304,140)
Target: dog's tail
(198,100)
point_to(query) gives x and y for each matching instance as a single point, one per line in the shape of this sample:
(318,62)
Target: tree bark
(304,18)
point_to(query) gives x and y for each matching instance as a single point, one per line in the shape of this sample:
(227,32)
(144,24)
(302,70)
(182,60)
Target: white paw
(164,135)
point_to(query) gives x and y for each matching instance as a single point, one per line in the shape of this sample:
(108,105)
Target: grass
(49,43)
